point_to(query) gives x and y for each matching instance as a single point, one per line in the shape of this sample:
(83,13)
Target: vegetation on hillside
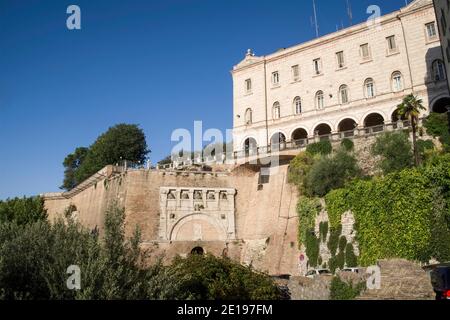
(120,142)
(34,258)
(405,213)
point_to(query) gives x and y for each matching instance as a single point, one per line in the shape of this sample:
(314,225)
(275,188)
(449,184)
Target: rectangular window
(296,72)
(365,51)
(248,85)
(340,59)
(275,78)
(392,45)
(317,66)
(431,31)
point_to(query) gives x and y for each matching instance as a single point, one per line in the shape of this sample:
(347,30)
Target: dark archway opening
(299,137)
(347,126)
(374,122)
(323,131)
(250,146)
(278,141)
(198,251)
(441,105)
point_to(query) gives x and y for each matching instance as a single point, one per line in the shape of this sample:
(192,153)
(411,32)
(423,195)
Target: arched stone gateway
(197,214)
(441,105)
(198,227)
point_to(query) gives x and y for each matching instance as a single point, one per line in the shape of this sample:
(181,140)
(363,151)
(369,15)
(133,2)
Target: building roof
(250,58)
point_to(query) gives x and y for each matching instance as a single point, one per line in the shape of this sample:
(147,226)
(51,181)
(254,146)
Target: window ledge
(276,86)
(248,94)
(366,61)
(296,81)
(340,69)
(318,75)
(431,40)
(392,53)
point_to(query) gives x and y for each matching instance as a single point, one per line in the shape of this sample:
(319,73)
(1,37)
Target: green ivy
(323,230)
(312,249)
(342,243)
(307,210)
(396,216)
(333,241)
(350,258)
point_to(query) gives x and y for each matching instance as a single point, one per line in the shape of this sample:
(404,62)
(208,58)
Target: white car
(354,270)
(317,272)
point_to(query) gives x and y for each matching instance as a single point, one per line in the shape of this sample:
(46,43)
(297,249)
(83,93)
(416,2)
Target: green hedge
(341,290)
(397,216)
(322,148)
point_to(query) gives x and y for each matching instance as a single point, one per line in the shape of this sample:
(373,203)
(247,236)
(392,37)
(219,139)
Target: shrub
(341,290)
(299,168)
(395,150)
(331,172)
(436,124)
(23,210)
(350,258)
(347,144)
(34,258)
(211,278)
(319,148)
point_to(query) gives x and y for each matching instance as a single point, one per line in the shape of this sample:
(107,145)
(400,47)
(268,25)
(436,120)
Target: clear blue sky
(159,63)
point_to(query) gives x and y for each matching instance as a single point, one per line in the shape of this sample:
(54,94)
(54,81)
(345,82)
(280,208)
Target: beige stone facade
(442,8)
(351,78)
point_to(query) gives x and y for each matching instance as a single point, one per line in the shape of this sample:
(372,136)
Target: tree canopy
(120,142)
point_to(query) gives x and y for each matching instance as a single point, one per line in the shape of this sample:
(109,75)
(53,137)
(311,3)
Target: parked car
(318,272)
(354,270)
(440,279)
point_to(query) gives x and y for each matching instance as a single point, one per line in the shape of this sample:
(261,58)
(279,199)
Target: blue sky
(161,64)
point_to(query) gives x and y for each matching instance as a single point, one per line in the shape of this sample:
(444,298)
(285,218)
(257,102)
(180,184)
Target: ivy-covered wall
(402,215)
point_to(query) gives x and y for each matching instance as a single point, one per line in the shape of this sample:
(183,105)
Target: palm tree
(410,108)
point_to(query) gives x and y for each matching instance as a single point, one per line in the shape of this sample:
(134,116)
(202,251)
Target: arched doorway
(250,147)
(299,137)
(323,131)
(441,105)
(198,251)
(395,118)
(347,127)
(374,122)
(278,141)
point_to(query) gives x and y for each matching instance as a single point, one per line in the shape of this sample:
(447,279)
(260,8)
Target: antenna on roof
(349,12)
(315,19)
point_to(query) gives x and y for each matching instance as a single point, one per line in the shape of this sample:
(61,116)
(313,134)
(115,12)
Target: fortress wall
(265,220)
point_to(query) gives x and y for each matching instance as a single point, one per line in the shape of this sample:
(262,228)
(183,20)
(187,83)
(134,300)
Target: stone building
(442,8)
(353,78)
